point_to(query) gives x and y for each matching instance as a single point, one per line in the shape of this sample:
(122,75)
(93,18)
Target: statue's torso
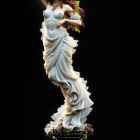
(51,19)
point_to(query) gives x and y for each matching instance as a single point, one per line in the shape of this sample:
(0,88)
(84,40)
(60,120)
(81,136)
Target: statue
(59,16)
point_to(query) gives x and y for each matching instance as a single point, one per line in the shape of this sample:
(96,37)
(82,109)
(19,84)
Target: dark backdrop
(96,58)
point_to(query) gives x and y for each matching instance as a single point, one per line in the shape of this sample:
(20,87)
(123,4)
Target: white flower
(74,17)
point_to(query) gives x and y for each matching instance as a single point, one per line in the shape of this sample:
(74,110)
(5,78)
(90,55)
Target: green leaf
(77,12)
(76,29)
(84,137)
(68,134)
(77,2)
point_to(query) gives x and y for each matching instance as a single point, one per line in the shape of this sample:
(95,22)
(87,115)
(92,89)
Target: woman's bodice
(51,19)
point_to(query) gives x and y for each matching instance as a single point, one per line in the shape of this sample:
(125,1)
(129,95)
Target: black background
(27,91)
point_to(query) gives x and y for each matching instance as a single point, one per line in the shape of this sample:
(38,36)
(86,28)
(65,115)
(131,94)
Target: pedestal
(76,134)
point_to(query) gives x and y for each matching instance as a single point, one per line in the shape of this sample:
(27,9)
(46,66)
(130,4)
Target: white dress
(57,54)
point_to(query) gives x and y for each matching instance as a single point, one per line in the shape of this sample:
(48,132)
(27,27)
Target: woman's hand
(60,23)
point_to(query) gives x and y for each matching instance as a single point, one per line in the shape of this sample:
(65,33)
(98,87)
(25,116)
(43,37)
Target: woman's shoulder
(44,2)
(67,7)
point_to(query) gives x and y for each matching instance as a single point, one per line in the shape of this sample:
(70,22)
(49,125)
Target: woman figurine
(57,54)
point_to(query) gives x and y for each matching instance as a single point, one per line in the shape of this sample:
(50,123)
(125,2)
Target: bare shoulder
(46,3)
(67,7)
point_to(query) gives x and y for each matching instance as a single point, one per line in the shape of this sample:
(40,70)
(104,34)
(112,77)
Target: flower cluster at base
(63,132)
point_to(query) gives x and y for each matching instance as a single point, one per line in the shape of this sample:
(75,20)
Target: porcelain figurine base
(61,134)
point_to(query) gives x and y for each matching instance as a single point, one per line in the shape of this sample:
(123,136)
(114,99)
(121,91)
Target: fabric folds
(57,56)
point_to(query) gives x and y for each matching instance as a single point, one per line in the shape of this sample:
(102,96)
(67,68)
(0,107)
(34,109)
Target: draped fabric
(57,56)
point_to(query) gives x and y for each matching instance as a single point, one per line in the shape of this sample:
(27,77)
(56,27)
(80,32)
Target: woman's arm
(74,22)
(74,17)
(45,3)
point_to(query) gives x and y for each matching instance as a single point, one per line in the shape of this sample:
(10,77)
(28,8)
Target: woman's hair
(71,3)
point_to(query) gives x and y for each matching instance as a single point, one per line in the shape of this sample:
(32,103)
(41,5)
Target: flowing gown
(57,55)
